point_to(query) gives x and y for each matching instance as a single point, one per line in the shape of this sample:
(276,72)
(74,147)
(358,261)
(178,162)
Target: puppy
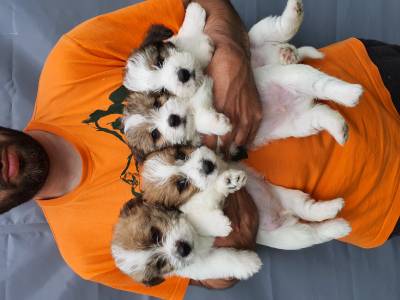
(171,63)
(269,38)
(181,174)
(155,120)
(151,241)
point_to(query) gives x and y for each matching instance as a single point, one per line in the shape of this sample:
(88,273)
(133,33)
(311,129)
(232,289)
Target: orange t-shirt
(73,102)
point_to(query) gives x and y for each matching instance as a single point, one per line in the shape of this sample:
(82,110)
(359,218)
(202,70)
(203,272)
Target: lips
(9,164)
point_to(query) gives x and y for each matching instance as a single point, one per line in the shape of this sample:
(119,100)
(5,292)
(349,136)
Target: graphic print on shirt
(130,173)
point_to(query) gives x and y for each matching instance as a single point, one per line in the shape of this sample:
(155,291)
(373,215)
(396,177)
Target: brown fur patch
(139,138)
(168,193)
(135,230)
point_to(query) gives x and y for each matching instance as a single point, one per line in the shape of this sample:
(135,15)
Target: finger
(215,283)
(210,141)
(254,128)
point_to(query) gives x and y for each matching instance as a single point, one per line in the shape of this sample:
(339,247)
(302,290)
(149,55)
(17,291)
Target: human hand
(235,92)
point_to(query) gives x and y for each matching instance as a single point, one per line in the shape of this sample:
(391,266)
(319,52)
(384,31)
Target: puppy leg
(210,223)
(207,120)
(300,235)
(309,52)
(278,29)
(222,263)
(300,204)
(311,121)
(311,82)
(191,37)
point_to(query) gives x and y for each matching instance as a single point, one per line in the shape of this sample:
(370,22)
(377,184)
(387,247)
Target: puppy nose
(208,166)
(183,248)
(174,120)
(183,75)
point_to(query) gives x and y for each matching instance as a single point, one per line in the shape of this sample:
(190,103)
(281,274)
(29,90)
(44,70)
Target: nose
(174,120)
(183,75)
(208,166)
(183,248)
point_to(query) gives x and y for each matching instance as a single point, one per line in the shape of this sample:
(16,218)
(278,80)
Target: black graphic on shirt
(129,174)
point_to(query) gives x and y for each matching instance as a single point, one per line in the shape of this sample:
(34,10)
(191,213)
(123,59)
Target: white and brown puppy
(172,63)
(151,242)
(153,121)
(178,175)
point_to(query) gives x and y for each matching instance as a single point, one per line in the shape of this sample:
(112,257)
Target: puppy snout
(184,75)
(208,166)
(183,248)
(174,120)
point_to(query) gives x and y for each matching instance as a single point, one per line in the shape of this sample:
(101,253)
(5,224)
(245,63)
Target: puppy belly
(269,208)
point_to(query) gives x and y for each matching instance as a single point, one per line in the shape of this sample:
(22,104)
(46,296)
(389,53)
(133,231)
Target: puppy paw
(247,264)
(348,94)
(205,49)
(335,124)
(196,15)
(298,7)
(222,226)
(341,132)
(231,181)
(324,210)
(334,229)
(288,55)
(222,124)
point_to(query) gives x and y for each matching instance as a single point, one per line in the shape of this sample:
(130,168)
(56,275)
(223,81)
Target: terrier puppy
(151,241)
(187,176)
(171,63)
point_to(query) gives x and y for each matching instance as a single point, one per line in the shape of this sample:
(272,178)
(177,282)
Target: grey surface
(30,264)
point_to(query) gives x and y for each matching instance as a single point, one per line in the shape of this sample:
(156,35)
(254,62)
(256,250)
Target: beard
(32,168)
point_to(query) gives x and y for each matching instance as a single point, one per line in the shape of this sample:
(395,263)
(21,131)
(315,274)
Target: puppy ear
(156,34)
(152,281)
(130,206)
(138,154)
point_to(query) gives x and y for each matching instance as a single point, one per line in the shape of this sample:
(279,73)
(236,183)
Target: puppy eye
(182,184)
(180,155)
(156,235)
(160,62)
(155,134)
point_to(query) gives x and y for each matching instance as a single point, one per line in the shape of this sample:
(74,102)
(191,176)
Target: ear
(138,154)
(152,281)
(130,206)
(156,34)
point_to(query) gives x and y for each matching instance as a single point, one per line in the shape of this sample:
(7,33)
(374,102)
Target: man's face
(23,168)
